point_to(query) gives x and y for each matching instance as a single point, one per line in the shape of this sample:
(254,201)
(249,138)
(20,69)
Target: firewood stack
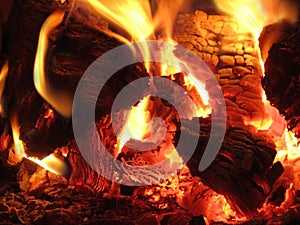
(243,168)
(281,82)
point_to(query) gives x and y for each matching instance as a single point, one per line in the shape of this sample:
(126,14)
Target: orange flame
(50,163)
(3,75)
(60,101)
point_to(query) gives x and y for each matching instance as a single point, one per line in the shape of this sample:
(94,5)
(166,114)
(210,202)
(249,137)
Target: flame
(133,16)
(165,15)
(137,126)
(19,148)
(203,108)
(61,102)
(141,23)
(190,81)
(288,148)
(253,15)
(50,163)
(3,76)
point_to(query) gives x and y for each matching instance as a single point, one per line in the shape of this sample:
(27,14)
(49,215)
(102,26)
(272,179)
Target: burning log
(244,164)
(233,58)
(37,123)
(243,171)
(70,53)
(281,82)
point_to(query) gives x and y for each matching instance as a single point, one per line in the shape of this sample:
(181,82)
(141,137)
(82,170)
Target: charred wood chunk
(281,82)
(242,171)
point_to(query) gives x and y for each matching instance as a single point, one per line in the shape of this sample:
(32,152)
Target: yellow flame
(253,15)
(165,15)
(174,158)
(288,148)
(3,76)
(203,108)
(19,148)
(133,16)
(60,101)
(141,21)
(50,163)
(137,125)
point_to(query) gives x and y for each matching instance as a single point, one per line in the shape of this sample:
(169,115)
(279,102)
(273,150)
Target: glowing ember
(50,163)
(3,75)
(60,101)
(251,17)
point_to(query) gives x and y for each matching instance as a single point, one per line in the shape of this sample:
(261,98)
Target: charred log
(243,171)
(244,163)
(69,55)
(281,82)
